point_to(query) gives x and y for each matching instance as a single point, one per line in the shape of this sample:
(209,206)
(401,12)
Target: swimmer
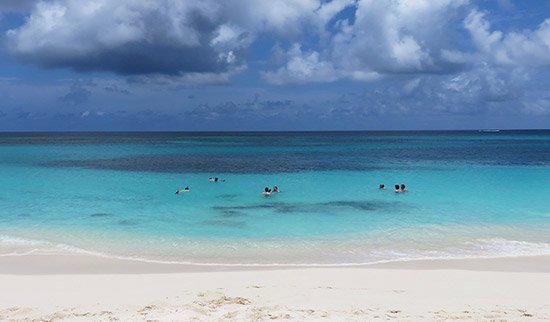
(186,189)
(397,189)
(403,188)
(267,191)
(275,189)
(382,186)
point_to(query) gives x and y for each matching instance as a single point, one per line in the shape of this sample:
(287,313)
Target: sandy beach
(69,288)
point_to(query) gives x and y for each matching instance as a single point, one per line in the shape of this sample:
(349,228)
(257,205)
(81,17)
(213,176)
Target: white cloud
(385,38)
(174,38)
(525,48)
(226,34)
(302,67)
(206,41)
(396,36)
(284,17)
(329,10)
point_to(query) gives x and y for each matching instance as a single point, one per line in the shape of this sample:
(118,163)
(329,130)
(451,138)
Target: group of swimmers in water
(267,191)
(186,189)
(398,188)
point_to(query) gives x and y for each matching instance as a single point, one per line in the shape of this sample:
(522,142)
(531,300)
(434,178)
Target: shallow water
(470,194)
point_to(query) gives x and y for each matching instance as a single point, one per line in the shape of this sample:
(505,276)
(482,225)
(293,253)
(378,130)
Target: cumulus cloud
(397,36)
(525,48)
(394,38)
(283,17)
(302,67)
(441,56)
(161,38)
(383,38)
(128,37)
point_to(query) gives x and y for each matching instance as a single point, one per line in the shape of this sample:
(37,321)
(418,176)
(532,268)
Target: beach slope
(499,289)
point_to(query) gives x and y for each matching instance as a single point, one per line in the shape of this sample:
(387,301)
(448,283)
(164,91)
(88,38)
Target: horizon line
(491,130)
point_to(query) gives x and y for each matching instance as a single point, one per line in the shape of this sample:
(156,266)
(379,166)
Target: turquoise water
(471,194)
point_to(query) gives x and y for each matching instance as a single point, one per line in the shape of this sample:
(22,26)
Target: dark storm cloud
(137,59)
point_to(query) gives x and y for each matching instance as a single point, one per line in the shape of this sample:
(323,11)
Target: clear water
(471,194)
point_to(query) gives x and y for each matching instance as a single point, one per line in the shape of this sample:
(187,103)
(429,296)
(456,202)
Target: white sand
(36,288)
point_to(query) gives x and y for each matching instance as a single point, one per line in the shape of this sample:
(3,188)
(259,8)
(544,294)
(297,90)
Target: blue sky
(274,65)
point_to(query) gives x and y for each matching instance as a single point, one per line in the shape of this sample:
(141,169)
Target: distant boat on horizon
(489,131)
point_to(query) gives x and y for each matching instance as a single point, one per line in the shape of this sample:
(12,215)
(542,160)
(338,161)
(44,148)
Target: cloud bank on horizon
(280,64)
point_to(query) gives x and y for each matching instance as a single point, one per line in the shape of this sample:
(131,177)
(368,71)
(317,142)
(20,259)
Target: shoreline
(80,288)
(51,264)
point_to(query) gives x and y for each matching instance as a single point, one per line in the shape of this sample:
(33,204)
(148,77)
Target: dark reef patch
(232,213)
(322,207)
(102,214)
(225,163)
(127,223)
(359,205)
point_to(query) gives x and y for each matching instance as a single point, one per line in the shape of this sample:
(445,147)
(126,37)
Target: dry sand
(58,288)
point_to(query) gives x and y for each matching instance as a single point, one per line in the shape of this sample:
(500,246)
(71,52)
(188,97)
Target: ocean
(470,194)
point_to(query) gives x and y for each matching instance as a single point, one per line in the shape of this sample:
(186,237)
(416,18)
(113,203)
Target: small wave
(26,246)
(476,249)
(20,241)
(509,248)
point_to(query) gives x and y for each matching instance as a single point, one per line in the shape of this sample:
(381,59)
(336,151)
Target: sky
(230,65)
